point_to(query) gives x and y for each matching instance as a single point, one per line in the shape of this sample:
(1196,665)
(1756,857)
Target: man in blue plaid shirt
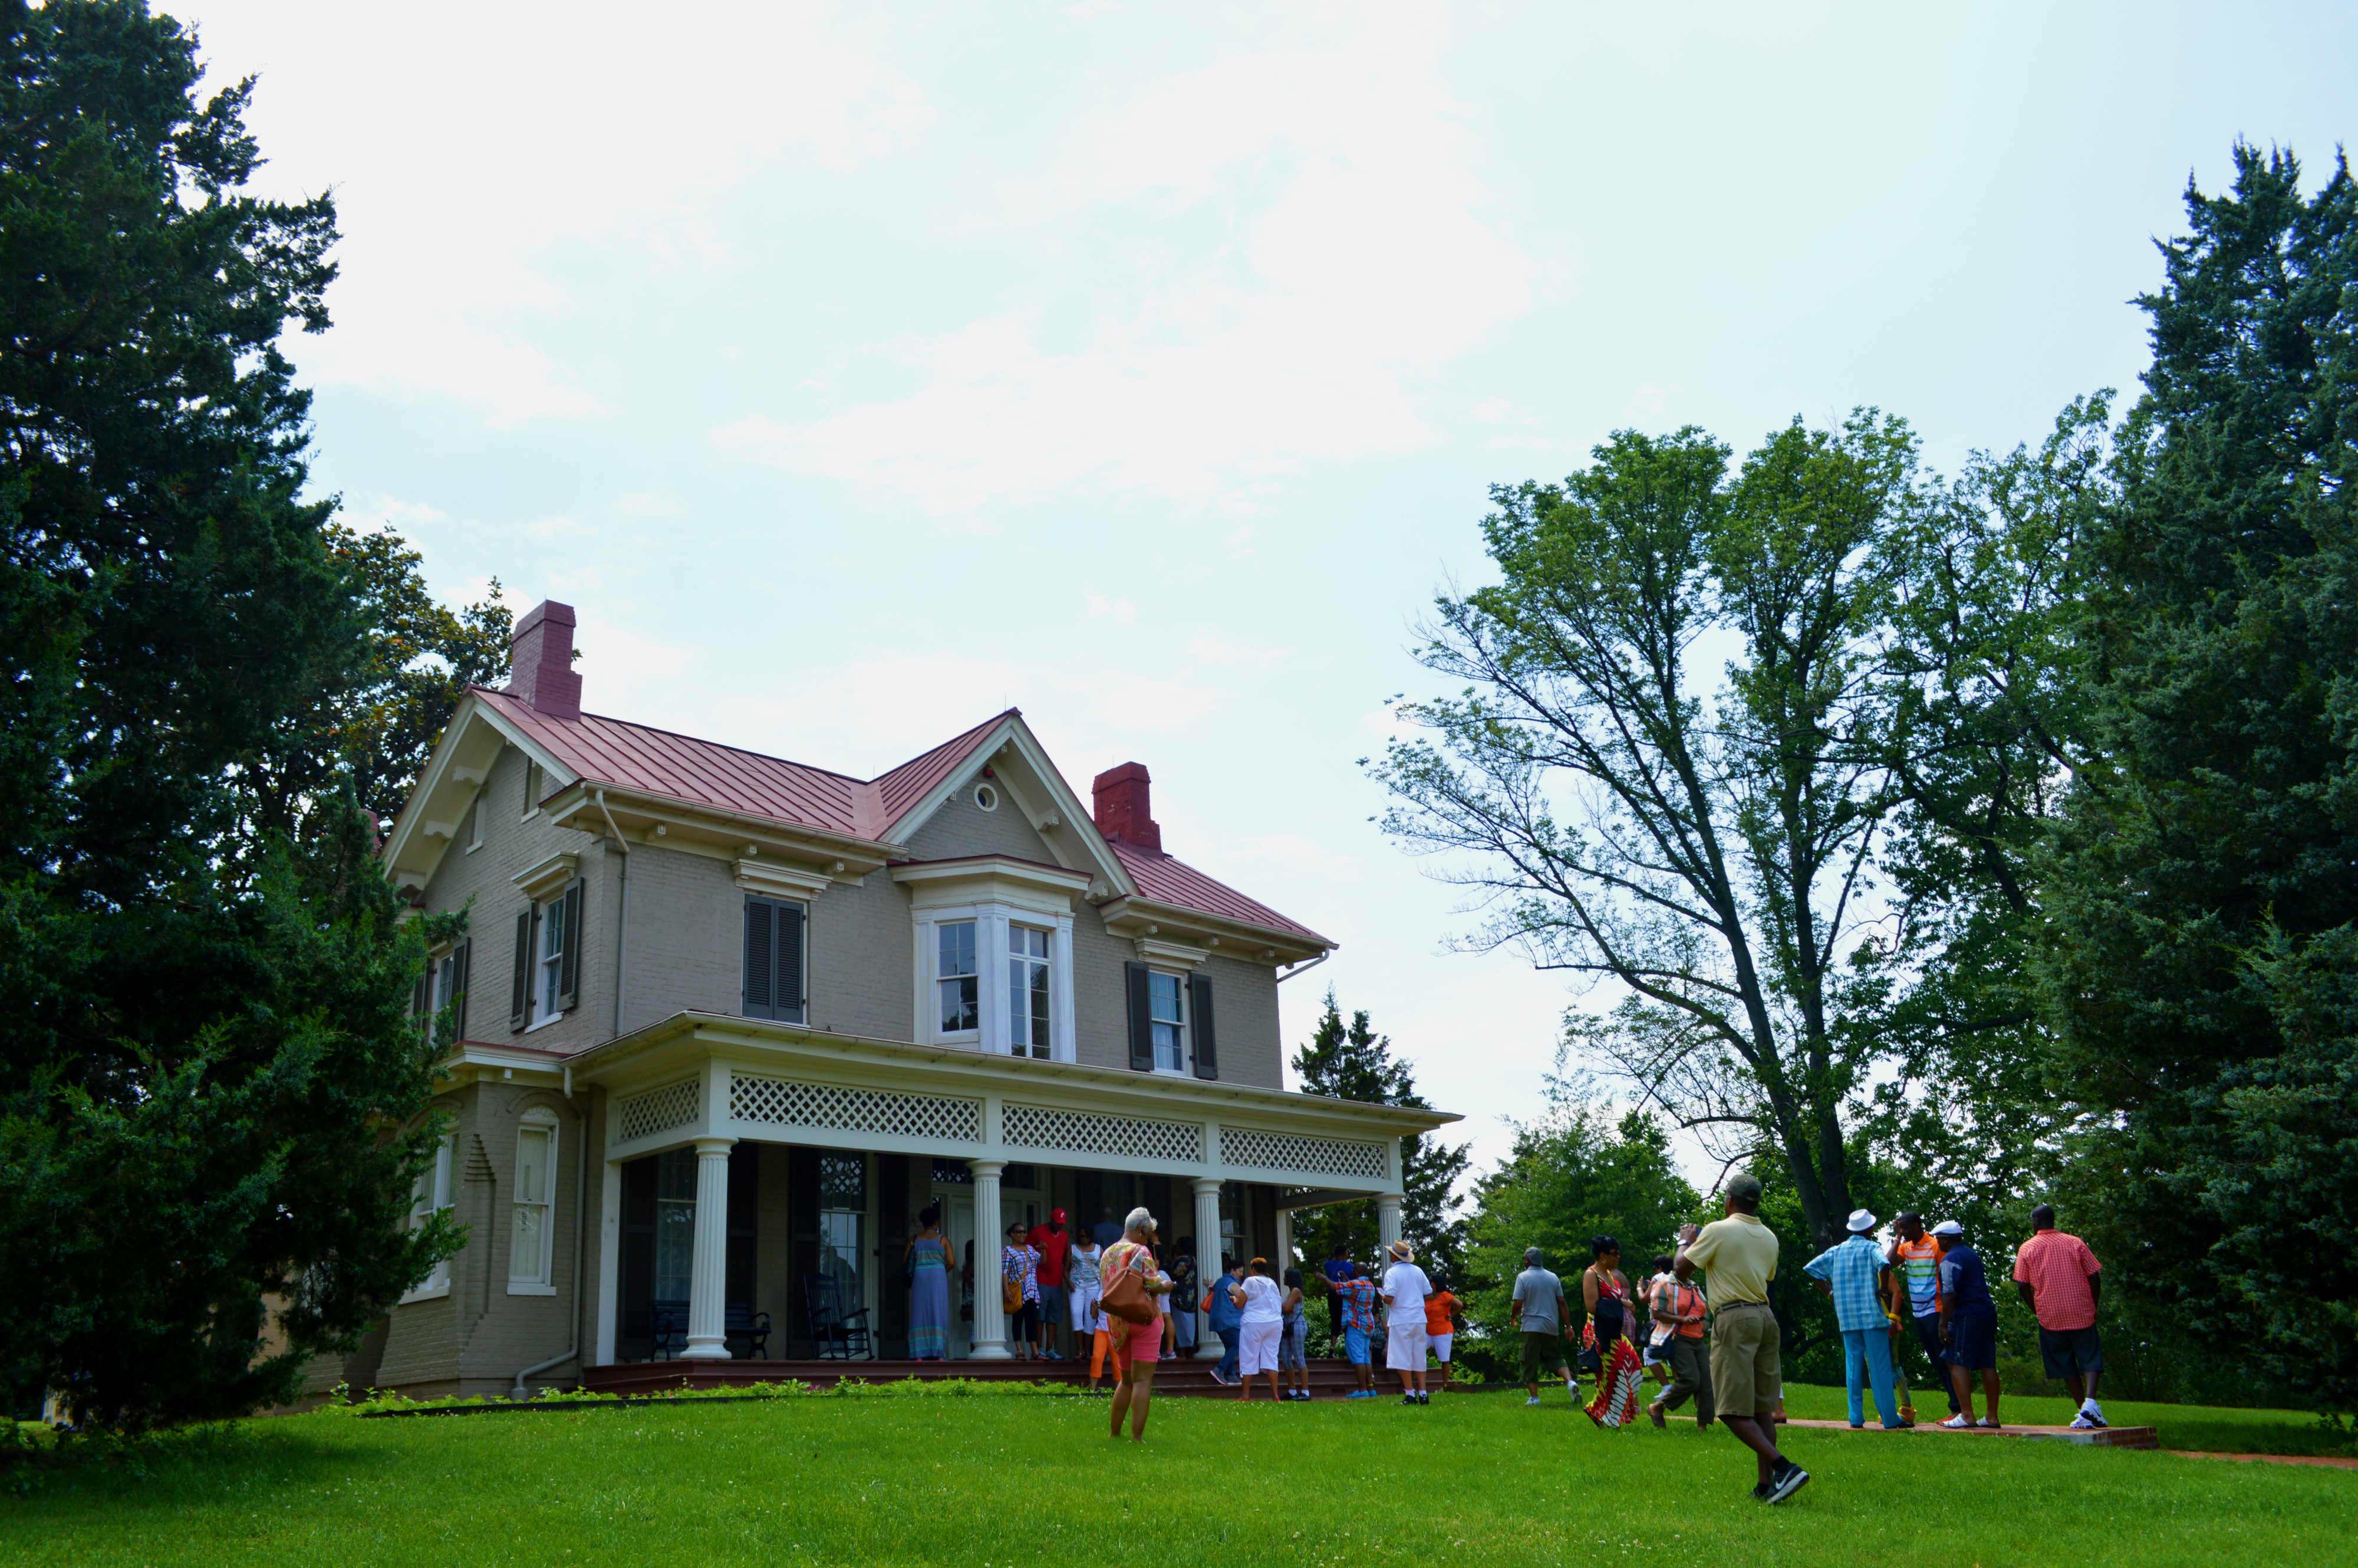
(1852,1273)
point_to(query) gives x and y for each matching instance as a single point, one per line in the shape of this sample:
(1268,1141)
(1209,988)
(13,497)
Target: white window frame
(430,1194)
(531,789)
(991,923)
(547,969)
(1019,995)
(442,978)
(535,1276)
(939,981)
(1186,1067)
(475,823)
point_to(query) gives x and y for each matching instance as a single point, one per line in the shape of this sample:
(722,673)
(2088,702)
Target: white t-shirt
(1405,1287)
(1262,1299)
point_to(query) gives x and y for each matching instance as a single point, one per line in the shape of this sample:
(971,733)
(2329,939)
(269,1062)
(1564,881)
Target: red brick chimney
(1121,807)
(540,666)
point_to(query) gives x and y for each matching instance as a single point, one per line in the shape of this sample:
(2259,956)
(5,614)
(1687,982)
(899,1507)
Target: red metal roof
(1181,885)
(624,755)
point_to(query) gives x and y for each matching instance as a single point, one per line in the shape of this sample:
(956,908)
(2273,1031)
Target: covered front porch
(754,1169)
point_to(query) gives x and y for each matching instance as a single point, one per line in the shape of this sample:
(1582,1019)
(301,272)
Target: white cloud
(1100,607)
(1214,651)
(552,527)
(1318,245)
(648,504)
(402,517)
(463,149)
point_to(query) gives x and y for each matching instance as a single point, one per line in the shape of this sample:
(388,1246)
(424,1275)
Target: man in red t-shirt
(2060,1282)
(1056,1301)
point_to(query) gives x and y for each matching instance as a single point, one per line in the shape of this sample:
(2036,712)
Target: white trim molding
(546,881)
(771,880)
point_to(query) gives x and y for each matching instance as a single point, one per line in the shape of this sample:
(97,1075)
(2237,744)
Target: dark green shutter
(569,963)
(1141,1018)
(790,962)
(518,1009)
(1199,1004)
(460,961)
(760,960)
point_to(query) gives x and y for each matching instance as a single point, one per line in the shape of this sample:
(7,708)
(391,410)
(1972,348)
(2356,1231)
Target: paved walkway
(2324,1461)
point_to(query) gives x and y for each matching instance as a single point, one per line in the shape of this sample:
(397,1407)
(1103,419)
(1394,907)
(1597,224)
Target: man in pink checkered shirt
(2060,1282)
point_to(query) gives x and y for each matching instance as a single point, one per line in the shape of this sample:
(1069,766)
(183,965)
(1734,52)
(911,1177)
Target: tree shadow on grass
(91,1480)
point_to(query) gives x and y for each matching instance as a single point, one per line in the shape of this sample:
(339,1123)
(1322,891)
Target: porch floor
(1328,1380)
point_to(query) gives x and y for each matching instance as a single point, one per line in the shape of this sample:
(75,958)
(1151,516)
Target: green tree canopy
(1351,1061)
(209,1091)
(1573,1174)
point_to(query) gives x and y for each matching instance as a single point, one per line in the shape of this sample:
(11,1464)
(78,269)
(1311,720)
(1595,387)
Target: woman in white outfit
(1085,1289)
(1262,1316)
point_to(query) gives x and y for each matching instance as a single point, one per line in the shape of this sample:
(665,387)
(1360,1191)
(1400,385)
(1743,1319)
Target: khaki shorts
(1746,1379)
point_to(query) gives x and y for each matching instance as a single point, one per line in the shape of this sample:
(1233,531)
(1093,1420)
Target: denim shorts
(1293,1345)
(1355,1346)
(1972,1341)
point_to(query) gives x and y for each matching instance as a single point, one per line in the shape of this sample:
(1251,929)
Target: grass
(1021,1480)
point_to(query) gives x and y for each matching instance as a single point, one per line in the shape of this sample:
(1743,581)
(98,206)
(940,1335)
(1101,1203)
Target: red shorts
(1137,1341)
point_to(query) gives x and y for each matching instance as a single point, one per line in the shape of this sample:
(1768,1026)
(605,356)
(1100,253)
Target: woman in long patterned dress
(927,1259)
(1620,1373)
(1137,1347)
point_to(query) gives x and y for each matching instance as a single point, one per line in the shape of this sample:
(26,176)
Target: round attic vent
(986,797)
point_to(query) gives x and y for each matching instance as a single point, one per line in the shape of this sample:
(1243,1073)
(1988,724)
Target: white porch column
(609,1260)
(990,1240)
(1061,1036)
(1284,1256)
(707,1272)
(1388,1217)
(1207,1260)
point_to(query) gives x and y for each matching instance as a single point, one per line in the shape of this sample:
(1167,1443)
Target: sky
(859,372)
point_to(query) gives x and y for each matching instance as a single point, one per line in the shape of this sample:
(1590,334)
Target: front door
(958,1224)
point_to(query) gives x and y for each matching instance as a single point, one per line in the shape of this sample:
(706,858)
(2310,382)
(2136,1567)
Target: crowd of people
(1720,1350)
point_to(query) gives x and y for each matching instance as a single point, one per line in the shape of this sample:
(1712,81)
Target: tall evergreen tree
(1351,1061)
(209,1091)
(2201,904)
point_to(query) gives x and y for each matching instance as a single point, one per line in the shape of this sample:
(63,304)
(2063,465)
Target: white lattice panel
(1090,1132)
(1294,1151)
(783,1102)
(658,1110)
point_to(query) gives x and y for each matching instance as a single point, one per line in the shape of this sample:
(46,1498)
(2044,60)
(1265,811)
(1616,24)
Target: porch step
(1328,1380)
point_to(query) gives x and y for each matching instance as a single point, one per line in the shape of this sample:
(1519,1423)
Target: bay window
(958,978)
(1029,991)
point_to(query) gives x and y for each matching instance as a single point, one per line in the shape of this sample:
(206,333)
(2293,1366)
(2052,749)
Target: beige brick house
(726,1023)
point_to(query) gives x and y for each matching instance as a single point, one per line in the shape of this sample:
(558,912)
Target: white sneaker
(1532,1401)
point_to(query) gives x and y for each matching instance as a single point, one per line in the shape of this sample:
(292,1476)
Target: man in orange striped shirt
(1915,1259)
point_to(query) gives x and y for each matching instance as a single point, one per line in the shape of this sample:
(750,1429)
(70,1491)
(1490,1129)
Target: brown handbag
(1010,1295)
(1126,1298)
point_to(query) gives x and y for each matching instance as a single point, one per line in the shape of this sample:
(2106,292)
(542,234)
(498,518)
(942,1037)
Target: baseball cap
(1744,1187)
(1055,1216)
(1948,1228)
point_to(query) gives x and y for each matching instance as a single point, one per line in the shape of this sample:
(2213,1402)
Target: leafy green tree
(1351,1061)
(1572,1174)
(1714,865)
(209,1092)
(2199,902)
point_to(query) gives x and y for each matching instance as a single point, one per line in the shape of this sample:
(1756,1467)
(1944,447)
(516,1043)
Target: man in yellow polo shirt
(1739,1254)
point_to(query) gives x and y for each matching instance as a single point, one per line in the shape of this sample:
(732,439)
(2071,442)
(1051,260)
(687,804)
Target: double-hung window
(547,960)
(1028,991)
(1167,1007)
(549,965)
(430,1194)
(958,978)
(534,1204)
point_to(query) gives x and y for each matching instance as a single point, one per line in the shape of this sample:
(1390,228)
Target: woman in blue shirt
(1968,1326)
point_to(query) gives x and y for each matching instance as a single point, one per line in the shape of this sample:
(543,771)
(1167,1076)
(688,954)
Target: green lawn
(1013,1480)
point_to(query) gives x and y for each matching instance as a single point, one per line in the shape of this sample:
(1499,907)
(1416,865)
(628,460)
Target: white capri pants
(1404,1347)
(1085,1309)
(1257,1349)
(1441,1343)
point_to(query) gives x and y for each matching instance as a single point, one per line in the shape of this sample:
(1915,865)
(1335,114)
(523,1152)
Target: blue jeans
(1871,1347)
(1229,1339)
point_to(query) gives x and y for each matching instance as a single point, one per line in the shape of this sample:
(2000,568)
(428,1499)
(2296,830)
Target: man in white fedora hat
(1405,1290)
(1850,1271)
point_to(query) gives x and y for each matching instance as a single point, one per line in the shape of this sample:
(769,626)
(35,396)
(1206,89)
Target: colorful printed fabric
(1084,1267)
(1619,1377)
(1679,1301)
(1021,1263)
(1851,1267)
(1919,1262)
(1358,1299)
